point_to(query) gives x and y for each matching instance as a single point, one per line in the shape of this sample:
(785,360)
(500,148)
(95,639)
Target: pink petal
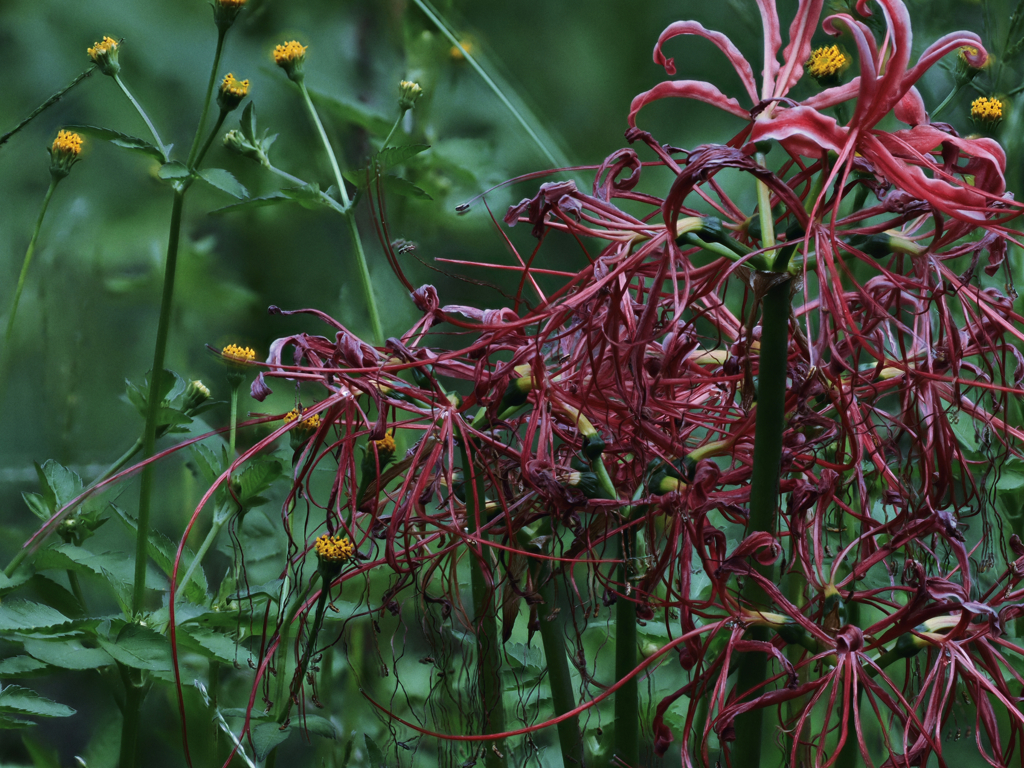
(723,43)
(772,43)
(944,45)
(832,96)
(802,130)
(687,89)
(902,39)
(866,51)
(799,48)
(910,109)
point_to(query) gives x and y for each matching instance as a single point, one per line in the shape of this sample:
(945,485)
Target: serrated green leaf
(19,615)
(139,648)
(352,112)
(266,736)
(173,170)
(526,656)
(311,198)
(399,186)
(163,551)
(391,157)
(114,566)
(214,645)
(37,505)
(12,723)
(321,726)
(15,580)
(253,202)
(65,484)
(20,666)
(258,477)
(119,139)
(224,181)
(373,753)
(67,654)
(22,701)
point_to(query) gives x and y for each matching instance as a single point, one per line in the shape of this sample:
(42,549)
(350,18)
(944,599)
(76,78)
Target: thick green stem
(153,404)
(485,616)
(552,637)
(300,671)
(234,423)
(363,270)
(142,113)
(132,716)
(25,265)
(280,700)
(764,493)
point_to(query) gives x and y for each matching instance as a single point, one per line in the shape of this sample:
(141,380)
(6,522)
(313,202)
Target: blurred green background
(88,316)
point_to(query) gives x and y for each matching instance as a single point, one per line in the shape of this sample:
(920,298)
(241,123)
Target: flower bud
(196,393)
(290,57)
(235,141)
(965,71)
(231,92)
(226,11)
(64,153)
(104,55)
(408,94)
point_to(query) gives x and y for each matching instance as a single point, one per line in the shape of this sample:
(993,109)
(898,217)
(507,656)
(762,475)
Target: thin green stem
(26,262)
(234,423)
(209,139)
(285,175)
(764,209)
(132,716)
(219,521)
(280,702)
(443,28)
(949,97)
(364,272)
(484,616)
(314,632)
(142,113)
(764,492)
(46,105)
(393,128)
(192,156)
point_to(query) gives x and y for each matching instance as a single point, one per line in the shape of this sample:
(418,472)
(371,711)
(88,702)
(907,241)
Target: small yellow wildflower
(334,550)
(232,3)
(408,94)
(104,55)
(237,354)
(64,153)
(456,53)
(290,57)
(987,110)
(231,92)
(826,64)
(386,444)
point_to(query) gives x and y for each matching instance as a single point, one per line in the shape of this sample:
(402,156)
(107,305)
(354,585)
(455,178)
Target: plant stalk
(764,495)
(25,265)
(142,113)
(485,616)
(221,33)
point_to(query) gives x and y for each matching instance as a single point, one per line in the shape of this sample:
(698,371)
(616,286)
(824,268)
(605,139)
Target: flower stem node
(226,11)
(231,92)
(987,111)
(64,153)
(332,552)
(290,57)
(104,56)
(827,64)
(408,94)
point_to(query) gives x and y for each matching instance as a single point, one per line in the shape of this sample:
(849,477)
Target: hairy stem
(363,270)
(485,617)
(764,494)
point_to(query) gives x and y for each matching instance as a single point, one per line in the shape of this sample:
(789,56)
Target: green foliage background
(88,316)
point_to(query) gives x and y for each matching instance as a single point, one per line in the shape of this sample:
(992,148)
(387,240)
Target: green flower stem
(394,128)
(234,422)
(764,209)
(220,519)
(764,493)
(142,113)
(314,632)
(364,272)
(281,701)
(552,637)
(134,693)
(285,175)
(949,97)
(488,647)
(25,265)
(193,157)
(46,105)
(209,139)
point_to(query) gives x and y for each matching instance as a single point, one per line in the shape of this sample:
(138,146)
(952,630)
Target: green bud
(408,94)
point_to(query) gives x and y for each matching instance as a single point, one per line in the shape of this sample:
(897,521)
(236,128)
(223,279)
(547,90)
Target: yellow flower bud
(290,57)
(104,55)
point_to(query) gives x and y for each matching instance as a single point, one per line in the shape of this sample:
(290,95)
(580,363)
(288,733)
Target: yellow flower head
(987,110)
(232,3)
(334,550)
(231,92)
(826,64)
(237,354)
(289,57)
(104,55)
(456,53)
(309,425)
(386,444)
(64,153)
(291,416)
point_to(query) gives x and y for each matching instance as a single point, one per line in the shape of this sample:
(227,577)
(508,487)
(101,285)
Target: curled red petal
(687,89)
(799,49)
(723,43)
(802,130)
(772,43)
(910,109)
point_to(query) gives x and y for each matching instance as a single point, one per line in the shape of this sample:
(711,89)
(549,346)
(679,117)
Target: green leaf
(64,484)
(224,181)
(15,580)
(258,477)
(390,157)
(37,505)
(139,648)
(43,756)
(311,198)
(373,753)
(213,645)
(1009,481)
(400,186)
(527,657)
(321,726)
(353,112)
(113,566)
(11,723)
(163,551)
(247,122)
(20,666)
(21,701)
(253,202)
(19,615)
(173,171)
(266,736)
(67,654)
(119,139)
